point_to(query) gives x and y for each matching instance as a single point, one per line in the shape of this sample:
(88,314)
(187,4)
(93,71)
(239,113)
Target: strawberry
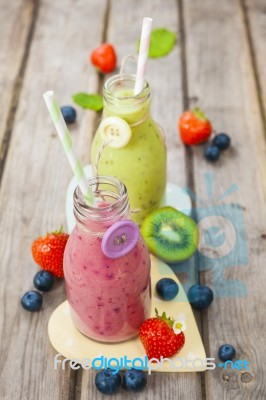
(48,252)
(104,58)
(194,127)
(158,337)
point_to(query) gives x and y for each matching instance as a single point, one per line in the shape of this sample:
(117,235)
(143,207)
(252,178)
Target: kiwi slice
(170,234)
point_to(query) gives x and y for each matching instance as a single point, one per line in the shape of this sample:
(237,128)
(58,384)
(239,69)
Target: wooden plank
(124,25)
(16,22)
(33,190)
(221,79)
(256,20)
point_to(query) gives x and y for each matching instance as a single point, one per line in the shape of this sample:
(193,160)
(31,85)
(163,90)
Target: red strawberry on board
(104,58)
(48,252)
(158,337)
(194,127)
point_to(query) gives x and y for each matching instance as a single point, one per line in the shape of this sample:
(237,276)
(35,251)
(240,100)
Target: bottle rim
(124,81)
(114,190)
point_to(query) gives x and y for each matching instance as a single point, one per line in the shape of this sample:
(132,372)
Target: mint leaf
(91,101)
(162,42)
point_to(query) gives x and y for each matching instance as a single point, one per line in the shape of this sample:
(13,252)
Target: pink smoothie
(109,298)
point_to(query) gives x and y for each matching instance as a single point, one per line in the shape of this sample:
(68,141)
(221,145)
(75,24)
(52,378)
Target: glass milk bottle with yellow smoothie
(130,144)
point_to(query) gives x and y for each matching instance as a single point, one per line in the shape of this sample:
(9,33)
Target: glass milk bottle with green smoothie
(129,144)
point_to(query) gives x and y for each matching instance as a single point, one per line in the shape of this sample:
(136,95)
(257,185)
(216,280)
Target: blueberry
(69,114)
(226,352)
(43,281)
(212,153)
(200,296)
(108,382)
(31,301)
(167,288)
(222,140)
(134,380)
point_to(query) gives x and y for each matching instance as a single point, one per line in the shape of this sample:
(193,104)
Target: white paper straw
(66,140)
(143,54)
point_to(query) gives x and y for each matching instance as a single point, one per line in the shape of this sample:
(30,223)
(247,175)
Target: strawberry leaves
(168,320)
(199,114)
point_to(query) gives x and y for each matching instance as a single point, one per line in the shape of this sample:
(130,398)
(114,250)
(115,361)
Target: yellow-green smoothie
(141,163)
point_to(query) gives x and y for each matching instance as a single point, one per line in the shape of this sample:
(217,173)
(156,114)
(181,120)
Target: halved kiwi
(170,234)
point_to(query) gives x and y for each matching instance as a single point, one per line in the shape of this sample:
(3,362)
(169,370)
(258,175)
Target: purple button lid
(120,239)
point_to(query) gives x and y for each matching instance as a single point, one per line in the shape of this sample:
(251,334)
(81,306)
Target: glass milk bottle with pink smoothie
(107,265)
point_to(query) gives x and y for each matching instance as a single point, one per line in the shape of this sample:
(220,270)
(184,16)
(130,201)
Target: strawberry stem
(199,114)
(168,320)
(60,230)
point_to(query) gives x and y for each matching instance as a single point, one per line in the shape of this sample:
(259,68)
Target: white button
(116,130)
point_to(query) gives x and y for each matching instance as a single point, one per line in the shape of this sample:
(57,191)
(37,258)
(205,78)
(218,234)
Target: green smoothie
(141,163)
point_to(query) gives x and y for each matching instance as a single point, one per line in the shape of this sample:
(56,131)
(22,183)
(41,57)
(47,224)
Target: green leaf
(162,42)
(197,111)
(91,101)
(168,320)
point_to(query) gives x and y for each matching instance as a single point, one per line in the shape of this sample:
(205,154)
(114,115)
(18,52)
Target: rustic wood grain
(221,78)
(32,197)
(16,22)
(164,76)
(255,11)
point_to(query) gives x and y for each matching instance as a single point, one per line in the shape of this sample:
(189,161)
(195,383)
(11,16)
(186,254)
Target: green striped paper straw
(66,140)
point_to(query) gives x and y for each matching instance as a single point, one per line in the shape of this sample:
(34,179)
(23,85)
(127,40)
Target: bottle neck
(119,99)
(110,205)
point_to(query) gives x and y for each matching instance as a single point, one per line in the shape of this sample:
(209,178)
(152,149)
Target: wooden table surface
(217,63)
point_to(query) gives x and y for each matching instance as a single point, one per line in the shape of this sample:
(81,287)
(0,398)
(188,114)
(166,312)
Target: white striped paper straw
(66,140)
(143,54)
